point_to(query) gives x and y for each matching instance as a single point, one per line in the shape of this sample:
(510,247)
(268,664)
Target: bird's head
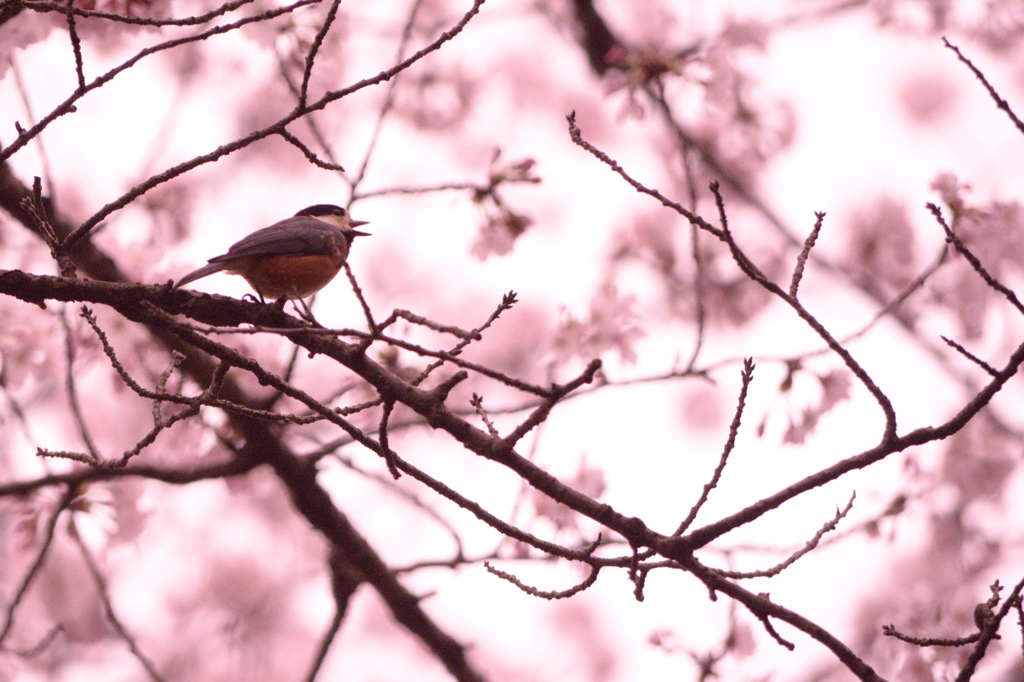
(335,216)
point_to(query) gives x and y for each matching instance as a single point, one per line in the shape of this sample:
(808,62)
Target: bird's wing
(297,235)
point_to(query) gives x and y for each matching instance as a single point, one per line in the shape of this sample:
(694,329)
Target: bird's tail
(200,273)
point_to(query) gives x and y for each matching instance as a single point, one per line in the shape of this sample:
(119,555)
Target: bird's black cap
(322,209)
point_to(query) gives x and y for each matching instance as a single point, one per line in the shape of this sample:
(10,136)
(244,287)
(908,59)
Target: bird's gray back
(300,235)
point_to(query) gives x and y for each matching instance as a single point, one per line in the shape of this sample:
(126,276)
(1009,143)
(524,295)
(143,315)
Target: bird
(292,259)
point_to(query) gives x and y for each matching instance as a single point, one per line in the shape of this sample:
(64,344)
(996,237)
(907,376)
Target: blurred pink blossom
(610,326)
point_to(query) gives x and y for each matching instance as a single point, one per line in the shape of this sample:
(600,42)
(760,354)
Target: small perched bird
(291,259)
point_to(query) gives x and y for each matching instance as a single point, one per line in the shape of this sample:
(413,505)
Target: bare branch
(68,105)
(35,209)
(299,112)
(760,278)
(344,581)
(702,536)
(751,271)
(40,6)
(763,608)
(171,476)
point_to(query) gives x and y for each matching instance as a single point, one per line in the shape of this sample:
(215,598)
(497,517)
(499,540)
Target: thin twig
(332,12)
(507,301)
(76,412)
(801,261)
(792,558)
(374,329)
(698,295)
(657,93)
(390,457)
(506,529)
(399,313)
(958,244)
(746,377)
(69,494)
(452,357)
(44,158)
(39,647)
(891,631)
(308,153)
(447,187)
(555,394)
(577,137)
(1000,102)
(389,99)
(534,592)
(478,404)
(108,607)
(76,46)
(970,356)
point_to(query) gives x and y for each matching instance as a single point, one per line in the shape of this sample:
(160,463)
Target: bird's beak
(357,223)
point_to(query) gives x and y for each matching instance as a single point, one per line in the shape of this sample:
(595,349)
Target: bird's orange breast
(289,276)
